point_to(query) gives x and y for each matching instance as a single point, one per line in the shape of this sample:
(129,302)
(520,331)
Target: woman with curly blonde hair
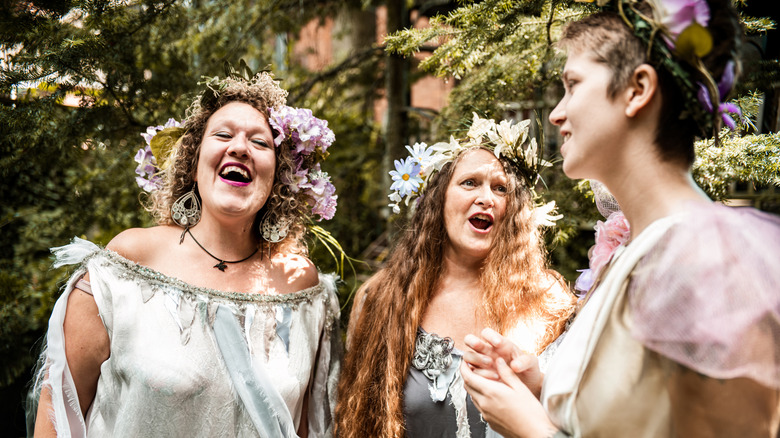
(214,322)
(470,258)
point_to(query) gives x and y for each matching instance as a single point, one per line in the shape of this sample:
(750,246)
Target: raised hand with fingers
(508,405)
(491,346)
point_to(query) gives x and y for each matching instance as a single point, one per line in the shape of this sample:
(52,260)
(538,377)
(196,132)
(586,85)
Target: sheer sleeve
(53,371)
(322,398)
(708,298)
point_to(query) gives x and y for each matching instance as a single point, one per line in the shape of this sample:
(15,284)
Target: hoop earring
(274,232)
(183,215)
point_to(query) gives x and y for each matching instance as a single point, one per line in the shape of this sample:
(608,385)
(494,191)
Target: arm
(703,406)
(86,348)
(320,396)
(44,426)
(357,308)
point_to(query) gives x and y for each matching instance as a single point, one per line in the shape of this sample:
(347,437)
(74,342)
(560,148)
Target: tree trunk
(396,92)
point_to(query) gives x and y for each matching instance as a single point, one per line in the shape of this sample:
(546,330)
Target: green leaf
(162,144)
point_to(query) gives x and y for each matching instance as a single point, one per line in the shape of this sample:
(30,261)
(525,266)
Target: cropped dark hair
(607,37)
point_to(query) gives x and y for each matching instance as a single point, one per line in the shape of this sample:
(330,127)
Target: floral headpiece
(307,137)
(506,139)
(678,38)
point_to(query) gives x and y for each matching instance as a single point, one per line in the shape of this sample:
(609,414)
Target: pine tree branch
(297,92)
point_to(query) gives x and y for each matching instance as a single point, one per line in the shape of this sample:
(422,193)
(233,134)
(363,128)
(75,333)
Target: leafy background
(80,79)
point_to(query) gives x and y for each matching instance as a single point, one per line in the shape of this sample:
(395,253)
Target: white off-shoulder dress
(195,362)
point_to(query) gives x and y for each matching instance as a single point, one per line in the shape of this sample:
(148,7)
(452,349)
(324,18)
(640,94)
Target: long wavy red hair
(389,307)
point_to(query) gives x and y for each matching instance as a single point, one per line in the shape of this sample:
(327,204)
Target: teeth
(236,169)
(483,217)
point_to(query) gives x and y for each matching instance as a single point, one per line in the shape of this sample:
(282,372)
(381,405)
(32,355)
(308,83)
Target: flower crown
(678,39)
(506,139)
(307,137)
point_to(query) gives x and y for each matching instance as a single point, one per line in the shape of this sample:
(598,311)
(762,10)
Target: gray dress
(435,402)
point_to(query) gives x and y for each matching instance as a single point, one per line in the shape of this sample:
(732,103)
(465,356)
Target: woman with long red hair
(469,258)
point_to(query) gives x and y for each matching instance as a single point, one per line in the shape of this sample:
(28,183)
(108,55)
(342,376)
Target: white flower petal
(542,215)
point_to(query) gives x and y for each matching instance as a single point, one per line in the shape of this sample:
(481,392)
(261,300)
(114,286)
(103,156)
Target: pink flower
(324,201)
(609,235)
(681,13)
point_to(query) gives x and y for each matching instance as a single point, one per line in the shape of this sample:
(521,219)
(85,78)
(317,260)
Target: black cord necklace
(221,265)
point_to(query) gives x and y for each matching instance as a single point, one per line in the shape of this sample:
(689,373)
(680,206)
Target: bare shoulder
(294,272)
(556,288)
(357,307)
(136,243)
(361,295)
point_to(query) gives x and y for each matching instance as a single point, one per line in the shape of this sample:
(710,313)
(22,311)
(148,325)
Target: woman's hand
(490,347)
(507,404)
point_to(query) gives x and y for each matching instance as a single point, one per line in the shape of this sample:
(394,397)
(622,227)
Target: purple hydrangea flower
(147,169)
(307,132)
(322,193)
(325,204)
(317,182)
(308,135)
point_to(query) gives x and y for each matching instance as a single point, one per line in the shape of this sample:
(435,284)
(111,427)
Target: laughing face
(474,202)
(236,162)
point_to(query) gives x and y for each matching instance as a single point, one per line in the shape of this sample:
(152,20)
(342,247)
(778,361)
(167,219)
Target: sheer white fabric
(605,202)
(165,375)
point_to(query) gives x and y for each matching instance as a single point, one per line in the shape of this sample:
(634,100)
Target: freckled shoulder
(140,244)
(299,272)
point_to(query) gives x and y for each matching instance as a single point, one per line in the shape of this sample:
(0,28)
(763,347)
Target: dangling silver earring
(274,232)
(186,216)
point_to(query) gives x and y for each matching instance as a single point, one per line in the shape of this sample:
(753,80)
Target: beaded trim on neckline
(161,280)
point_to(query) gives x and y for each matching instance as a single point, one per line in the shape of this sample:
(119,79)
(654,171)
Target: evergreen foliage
(501,53)
(80,80)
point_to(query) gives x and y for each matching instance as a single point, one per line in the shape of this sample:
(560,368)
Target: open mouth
(481,221)
(235,173)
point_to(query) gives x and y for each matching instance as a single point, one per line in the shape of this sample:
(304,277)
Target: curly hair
(262,93)
(390,306)
(606,36)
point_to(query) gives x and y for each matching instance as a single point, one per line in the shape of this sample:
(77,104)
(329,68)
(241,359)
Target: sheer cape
(708,294)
